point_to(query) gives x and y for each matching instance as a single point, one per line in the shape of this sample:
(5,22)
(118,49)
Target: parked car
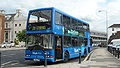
(7,44)
(115,43)
(118,46)
(4,45)
(12,44)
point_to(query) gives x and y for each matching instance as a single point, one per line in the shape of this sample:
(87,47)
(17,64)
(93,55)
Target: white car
(118,46)
(4,45)
(12,44)
(7,44)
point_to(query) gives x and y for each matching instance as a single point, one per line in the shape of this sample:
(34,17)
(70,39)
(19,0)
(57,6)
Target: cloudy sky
(91,11)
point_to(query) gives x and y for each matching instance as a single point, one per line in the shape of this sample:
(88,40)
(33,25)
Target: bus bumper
(40,58)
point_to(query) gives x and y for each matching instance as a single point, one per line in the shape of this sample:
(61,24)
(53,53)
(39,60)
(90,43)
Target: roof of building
(9,17)
(115,26)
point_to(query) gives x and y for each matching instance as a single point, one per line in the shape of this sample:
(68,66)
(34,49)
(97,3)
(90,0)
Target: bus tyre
(88,49)
(66,57)
(85,53)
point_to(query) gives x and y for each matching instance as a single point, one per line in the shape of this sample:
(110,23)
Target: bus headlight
(50,56)
(27,55)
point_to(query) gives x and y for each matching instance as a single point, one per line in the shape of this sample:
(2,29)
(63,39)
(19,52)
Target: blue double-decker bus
(57,34)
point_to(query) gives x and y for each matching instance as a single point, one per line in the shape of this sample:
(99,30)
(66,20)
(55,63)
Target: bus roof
(59,12)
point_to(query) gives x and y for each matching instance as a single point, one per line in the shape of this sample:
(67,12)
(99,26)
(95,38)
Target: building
(2,22)
(99,38)
(114,32)
(14,24)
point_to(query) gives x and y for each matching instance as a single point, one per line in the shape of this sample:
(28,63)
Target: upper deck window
(58,18)
(40,20)
(86,27)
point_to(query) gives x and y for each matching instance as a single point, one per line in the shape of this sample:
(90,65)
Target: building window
(19,24)
(112,29)
(15,25)
(6,25)
(6,35)
(15,31)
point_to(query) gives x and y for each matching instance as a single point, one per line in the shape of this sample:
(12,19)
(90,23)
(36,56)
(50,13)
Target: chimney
(2,11)
(18,12)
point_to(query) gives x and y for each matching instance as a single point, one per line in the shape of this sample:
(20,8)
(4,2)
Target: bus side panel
(58,29)
(82,50)
(73,51)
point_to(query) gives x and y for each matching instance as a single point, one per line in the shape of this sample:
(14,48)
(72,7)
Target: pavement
(100,58)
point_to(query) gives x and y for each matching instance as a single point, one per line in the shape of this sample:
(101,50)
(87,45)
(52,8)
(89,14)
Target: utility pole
(106,21)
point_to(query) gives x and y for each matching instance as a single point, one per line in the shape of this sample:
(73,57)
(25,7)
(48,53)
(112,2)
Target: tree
(22,35)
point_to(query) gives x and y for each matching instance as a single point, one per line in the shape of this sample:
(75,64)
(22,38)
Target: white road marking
(4,55)
(12,54)
(14,63)
(9,62)
(6,63)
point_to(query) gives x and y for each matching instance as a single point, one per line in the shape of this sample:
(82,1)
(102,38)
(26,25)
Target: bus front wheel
(66,56)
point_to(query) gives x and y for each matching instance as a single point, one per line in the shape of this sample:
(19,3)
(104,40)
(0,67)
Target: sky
(94,12)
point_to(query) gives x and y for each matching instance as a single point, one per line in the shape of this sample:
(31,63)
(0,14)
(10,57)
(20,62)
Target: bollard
(45,59)
(110,49)
(115,52)
(0,59)
(79,56)
(118,53)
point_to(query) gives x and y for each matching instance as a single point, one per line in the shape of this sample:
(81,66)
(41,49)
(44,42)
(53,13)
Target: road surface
(14,58)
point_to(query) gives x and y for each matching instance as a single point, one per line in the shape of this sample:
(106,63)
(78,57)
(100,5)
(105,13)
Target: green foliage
(22,35)
(16,42)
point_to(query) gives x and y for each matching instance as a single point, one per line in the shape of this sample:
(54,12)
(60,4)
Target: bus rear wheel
(66,57)
(85,53)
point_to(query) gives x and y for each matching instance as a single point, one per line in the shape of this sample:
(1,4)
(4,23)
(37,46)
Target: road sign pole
(45,59)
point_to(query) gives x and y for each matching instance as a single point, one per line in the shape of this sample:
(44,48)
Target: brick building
(2,22)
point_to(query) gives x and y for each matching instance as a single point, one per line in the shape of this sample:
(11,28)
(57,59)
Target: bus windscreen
(39,20)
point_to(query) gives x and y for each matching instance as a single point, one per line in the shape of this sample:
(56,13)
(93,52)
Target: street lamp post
(106,21)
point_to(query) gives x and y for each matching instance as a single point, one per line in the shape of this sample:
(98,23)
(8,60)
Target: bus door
(58,47)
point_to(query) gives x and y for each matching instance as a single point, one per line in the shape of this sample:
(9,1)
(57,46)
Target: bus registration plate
(36,59)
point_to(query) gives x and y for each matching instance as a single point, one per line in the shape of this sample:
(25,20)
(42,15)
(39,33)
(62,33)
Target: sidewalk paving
(100,58)
(12,48)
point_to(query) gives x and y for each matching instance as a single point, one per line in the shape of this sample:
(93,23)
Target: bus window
(74,25)
(85,41)
(74,41)
(86,27)
(91,41)
(40,41)
(67,41)
(66,23)
(58,18)
(40,20)
(80,27)
(80,41)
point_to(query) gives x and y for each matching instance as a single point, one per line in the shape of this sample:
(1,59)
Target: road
(15,59)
